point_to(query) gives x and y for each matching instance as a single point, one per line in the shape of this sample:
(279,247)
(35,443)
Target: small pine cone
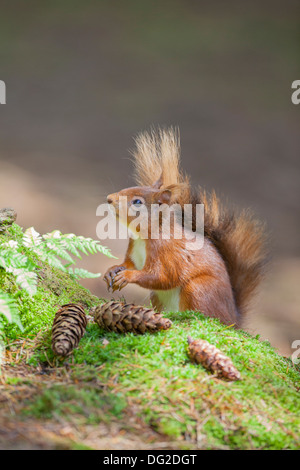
(68,328)
(124,318)
(211,358)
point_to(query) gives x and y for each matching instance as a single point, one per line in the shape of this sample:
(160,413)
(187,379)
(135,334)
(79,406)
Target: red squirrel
(217,279)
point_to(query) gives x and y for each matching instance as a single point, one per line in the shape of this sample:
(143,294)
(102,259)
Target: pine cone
(68,328)
(211,358)
(124,318)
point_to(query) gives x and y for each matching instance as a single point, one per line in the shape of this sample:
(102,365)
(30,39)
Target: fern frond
(20,267)
(58,249)
(79,273)
(31,238)
(76,244)
(11,259)
(54,234)
(9,309)
(51,248)
(105,251)
(88,245)
(26,280)
(71,247)
(51,259)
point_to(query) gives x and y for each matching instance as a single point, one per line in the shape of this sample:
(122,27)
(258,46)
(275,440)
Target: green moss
(152,377)
(90,402)
(55,288)
(177,398)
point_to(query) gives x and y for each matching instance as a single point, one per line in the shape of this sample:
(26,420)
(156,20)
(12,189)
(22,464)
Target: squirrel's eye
(136,202)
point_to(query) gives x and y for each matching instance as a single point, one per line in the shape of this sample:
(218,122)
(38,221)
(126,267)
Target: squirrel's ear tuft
(158,184)
(157,152)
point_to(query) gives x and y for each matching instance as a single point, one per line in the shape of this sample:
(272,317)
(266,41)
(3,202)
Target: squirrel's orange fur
(220,278)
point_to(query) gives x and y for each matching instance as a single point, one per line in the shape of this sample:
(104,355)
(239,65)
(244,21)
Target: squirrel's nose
(110,199)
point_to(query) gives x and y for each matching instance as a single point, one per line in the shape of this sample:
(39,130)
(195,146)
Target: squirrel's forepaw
(110,274)
(122,279)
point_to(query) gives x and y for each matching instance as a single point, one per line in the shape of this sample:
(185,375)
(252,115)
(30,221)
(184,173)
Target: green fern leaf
(79,273)
(59,250)
(31,238)
(9,309)
(26,280)
(105,251)
(52,260)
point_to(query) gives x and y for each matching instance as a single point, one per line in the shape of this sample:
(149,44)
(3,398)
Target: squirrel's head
(138,200)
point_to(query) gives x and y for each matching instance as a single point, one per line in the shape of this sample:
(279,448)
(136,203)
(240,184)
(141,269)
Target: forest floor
(120,391)
(142,392)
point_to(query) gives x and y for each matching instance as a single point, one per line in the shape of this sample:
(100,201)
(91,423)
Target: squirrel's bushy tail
(240,239)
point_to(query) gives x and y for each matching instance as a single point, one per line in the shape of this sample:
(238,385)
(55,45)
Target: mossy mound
(145,386)
(55,288)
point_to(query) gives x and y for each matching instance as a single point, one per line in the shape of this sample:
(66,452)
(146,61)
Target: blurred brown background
(84,77)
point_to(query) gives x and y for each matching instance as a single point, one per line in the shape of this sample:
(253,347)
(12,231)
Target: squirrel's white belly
(169,299)
(138,254)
